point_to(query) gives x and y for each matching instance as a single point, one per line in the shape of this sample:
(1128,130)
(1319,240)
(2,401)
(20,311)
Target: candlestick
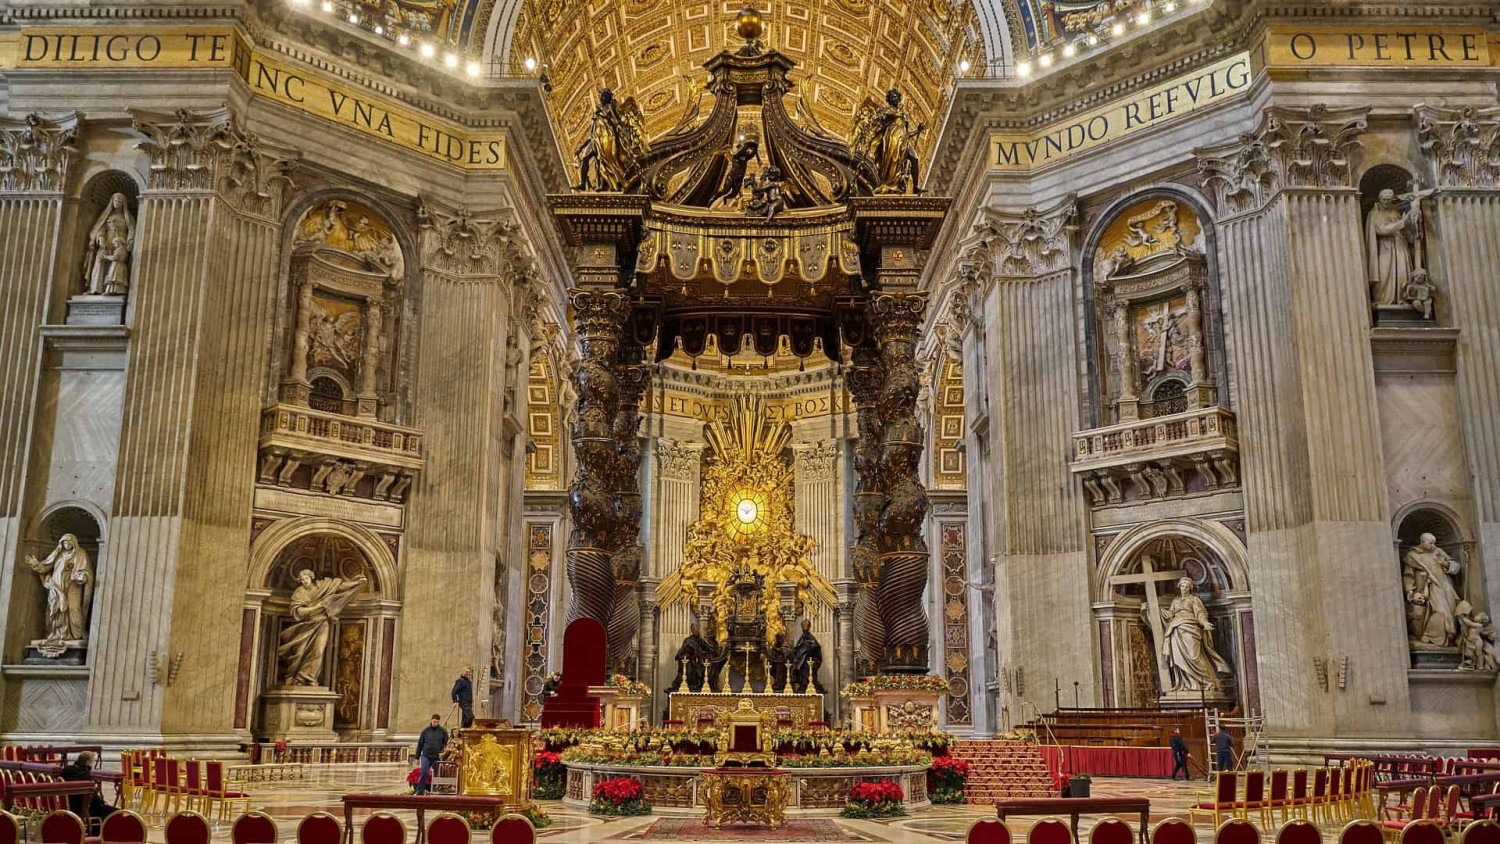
(786,685)
(703,687)
(745,686)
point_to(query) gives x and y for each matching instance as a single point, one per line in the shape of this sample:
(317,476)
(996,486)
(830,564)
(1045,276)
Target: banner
(1146,110)
(93,48)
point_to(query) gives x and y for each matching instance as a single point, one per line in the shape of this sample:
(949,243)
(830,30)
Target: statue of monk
(1427,577)
(316,604)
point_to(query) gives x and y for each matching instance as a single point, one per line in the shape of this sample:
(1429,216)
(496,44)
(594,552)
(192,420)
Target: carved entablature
(347,272)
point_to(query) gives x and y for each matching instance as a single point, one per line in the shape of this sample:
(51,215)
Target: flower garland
(875,799)
(628,686)
(551,776)
(948,776)
(895,683)
(619,796)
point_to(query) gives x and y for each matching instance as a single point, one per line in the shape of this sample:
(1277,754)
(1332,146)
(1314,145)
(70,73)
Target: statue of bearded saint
(1431,601)
(315,605)
(1188,644)
(1389,230)
(68,578)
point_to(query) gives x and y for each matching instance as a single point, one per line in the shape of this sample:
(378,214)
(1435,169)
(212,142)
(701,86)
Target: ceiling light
(402,39)
(1169,7)
(298,2)
(354,18)
(1118,29)
(379,30)
(530,63)
(450,60)
(1068,50)
(427,51)
(472,68)
(1024,68)
(1045,60)
(1143,18)
(963,66)
(1092,40)
(327,7)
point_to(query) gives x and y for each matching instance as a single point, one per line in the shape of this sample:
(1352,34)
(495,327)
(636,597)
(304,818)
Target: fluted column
(36,156)
(674,507)
(1297,310)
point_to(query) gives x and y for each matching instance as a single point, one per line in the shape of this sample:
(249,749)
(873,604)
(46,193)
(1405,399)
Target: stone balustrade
(1166,456)
(304,448)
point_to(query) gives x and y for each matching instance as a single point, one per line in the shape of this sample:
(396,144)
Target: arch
(1446,513)
(276,538)
(391,216)
(93,510)
(1214,536)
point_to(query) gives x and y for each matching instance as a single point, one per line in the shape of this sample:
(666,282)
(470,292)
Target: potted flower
(1079,786)
(948,776)
(414,776)
(550,773)
(619,796)
(874,799)
(1060,782)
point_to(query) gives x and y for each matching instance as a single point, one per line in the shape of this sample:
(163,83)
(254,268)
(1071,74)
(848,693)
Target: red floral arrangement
(1060,781)
(875,799)
(948,776)
(551,775)
(415,775)
(619,796)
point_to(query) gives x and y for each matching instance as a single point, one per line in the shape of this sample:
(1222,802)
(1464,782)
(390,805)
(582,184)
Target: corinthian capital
(1462,144)
(1032,242)
(256,178)
(464,243)
(35,153)
(1290,148)
(184,147)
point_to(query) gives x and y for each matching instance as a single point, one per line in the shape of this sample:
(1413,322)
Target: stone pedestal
(1426,656)
(96,310)
(299,714)
(67,652)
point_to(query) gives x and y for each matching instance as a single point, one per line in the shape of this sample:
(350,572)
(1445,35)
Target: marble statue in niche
(1395,247)
(315,606)
(1187,643)
(111,241)
(1431,600)
(68,578)
(1476,640)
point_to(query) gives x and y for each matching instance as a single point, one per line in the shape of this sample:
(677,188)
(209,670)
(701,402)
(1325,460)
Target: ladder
(1253,751)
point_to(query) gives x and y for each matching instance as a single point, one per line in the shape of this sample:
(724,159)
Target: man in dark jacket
(463,695)
(81,769)
(1224,749)
(1179,755)
(429,749)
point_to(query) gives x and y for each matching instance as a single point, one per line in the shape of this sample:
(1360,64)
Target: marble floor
(287,802)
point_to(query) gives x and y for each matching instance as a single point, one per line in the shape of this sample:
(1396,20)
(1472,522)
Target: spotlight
(1118,29)
(1169,7)
(1143,18)
(427,51)
(354,19)
(403,40)
(1069,49)
(1045,60)
(327,7)
(379,30)
(963,66)
(472,68)
(450,60)
(1092,40)
(530,63)
(1023,69)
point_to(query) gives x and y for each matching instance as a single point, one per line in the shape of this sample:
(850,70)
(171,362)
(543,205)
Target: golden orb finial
(749,24)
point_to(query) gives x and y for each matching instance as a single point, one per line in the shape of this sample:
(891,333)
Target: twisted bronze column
(625,616)
(896,319)
(599,318)
(864,381)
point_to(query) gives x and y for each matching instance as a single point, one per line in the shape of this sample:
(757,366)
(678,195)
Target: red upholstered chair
(985,831)
(1350,804)
(512,829)
(1335,807)
(253,828)
(1319,801)
(1237,831)
(1418,809)
(122,827)
(383,828)
(1450,805)
(216,787)
(1111,831)
(448,828)
(1175,830)
(187,828)
(1300,796)
(1255,798)
(1299,831)
(319,828)
(193,793)
(1280,797)
(61,827)
(1050,831)
(1219,803)
(1361,832)
(1422,832)
(10,830)
(1479,832)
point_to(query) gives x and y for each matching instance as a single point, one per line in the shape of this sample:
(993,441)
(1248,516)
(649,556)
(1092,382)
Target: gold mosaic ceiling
(653,50)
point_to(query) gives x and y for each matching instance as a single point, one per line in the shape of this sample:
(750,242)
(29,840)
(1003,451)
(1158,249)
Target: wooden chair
(319,828)
(10,829)
(1350,798)
(1255,798)
(516,829)
(1478,832)
(1361,832)
(187,828)
(217,788)
(1237,831)
(1050,831)
(1416,811)
(1422,832)
(1449,818)
(122,827)
(253,828)
(1176,830)
(1319,801)
(1111,831)
(448,828)
(1300,798)
(383,828)
(982,831)
(1335,807)
(1218,803)
(1299,831)
(61,826)
(1280,798)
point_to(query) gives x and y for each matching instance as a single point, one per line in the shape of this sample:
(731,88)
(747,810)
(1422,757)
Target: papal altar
(789,710)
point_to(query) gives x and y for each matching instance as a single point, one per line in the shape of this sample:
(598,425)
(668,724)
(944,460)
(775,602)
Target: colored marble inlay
(538,595)
(955,551)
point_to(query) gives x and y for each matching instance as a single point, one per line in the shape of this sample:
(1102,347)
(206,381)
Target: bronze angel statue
(609,157)
(885,138)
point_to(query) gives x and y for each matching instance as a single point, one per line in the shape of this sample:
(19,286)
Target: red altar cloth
(1111,761)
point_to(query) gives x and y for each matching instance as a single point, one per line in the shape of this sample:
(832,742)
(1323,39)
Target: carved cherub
(765,195)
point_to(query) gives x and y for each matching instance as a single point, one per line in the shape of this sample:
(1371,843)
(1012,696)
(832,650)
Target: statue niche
(1150,278)
(1401,289)
(346,280)
(64,566)
(1444,623)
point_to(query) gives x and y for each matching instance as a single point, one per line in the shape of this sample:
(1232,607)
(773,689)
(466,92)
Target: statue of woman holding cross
(1187,643)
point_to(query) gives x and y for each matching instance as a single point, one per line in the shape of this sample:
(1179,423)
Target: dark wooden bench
(419,802)
(1073,807)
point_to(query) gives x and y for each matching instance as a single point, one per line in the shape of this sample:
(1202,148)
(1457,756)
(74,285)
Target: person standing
(430,747)
(1179,755)
(463,696)
(1224,749)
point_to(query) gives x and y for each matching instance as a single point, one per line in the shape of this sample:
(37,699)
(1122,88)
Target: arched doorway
(358,656)
(1139,583)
